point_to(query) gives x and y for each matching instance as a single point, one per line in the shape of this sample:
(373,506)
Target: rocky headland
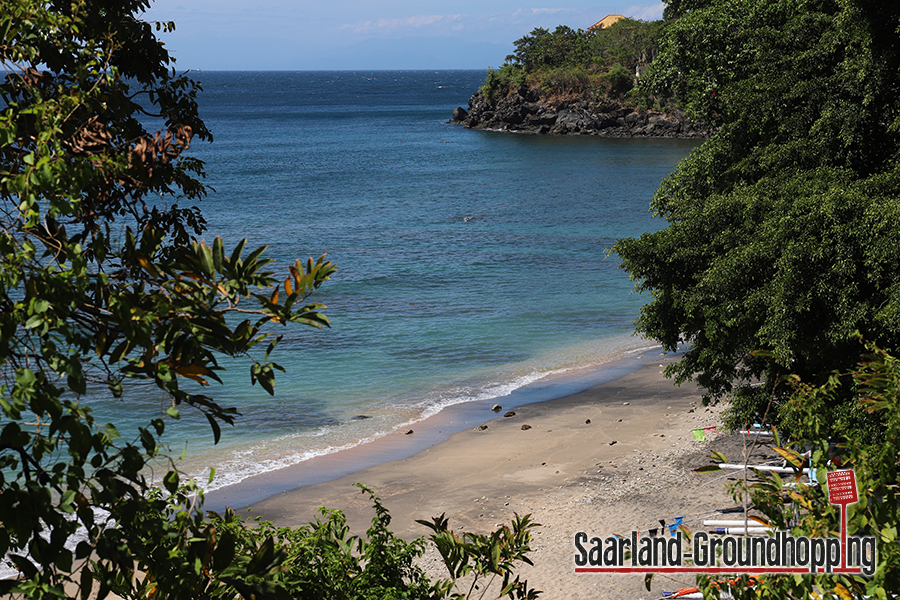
(525,110)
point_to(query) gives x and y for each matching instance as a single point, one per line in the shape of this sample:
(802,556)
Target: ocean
(471,264)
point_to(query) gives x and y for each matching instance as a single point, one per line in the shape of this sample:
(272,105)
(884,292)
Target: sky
(366,34)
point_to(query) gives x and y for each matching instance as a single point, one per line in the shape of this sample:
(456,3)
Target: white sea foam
(8,571)
(295,448)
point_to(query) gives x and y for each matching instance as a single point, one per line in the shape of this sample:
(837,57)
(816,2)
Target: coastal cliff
(524,109)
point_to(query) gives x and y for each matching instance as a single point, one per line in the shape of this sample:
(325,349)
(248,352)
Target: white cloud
(414,22)
(547,11)
(538,11)
(646,12)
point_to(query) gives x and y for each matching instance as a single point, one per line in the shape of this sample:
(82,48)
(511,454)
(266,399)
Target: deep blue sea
(471,263)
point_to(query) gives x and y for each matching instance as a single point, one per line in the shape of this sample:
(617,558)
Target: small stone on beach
(481,428)
(587,421)
(526,427)
(626,403)
(496,408)
(408,432)
(613,443)
(511,413)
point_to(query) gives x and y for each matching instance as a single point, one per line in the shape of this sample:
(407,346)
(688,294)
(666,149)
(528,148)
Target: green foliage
(627,42)
(875,386)
(570,81)
(508,77)
(564,47)
(485,556)
(223,556)
(781,227)
(598,64)
(105,287)
(620,80)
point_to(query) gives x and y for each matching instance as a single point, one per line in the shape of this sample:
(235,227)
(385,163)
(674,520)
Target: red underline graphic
(736,570)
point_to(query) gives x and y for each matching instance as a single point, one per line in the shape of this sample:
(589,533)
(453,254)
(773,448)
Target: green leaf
(263,560)
(66,500)
(170,481)
(708,469)
(120,351)
(218,254)
(116,388)
(206,260)
(715,455)
(224,553)
(236,255)
(216,429)
(791,456)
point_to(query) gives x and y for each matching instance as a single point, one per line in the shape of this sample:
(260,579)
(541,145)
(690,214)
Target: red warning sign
(842,487)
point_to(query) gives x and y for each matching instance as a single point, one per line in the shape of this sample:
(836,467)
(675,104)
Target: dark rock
(410,432)
(526,427)
(547,118)
(511,413)
(613,443)
(496,408)
(481,428)
(634,119)
(605,121)
(587,421)
(523,110)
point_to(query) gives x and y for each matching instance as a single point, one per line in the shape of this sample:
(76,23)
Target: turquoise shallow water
(471,263)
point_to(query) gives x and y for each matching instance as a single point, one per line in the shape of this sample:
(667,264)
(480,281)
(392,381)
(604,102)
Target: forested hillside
(599,63)
(778,268)
(579,81)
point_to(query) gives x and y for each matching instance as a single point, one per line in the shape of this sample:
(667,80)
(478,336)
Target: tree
(875,385)
(564,47)
(780,245)
(104,285)
(627,42)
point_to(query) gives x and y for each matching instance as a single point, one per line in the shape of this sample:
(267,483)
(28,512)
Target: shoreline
(623,470)
(525,110)
(427,432)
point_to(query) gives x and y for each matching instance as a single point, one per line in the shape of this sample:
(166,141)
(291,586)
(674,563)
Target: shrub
(506,78)
(619,79)
(225,557)
(876,384)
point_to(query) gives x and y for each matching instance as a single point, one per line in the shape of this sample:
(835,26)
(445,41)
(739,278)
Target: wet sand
(625,469)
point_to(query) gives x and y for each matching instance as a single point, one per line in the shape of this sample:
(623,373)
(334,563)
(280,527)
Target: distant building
(605,22)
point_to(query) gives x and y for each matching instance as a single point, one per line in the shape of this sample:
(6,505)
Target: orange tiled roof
(606,21)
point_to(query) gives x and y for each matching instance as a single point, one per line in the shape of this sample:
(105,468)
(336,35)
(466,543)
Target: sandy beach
(615,458)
